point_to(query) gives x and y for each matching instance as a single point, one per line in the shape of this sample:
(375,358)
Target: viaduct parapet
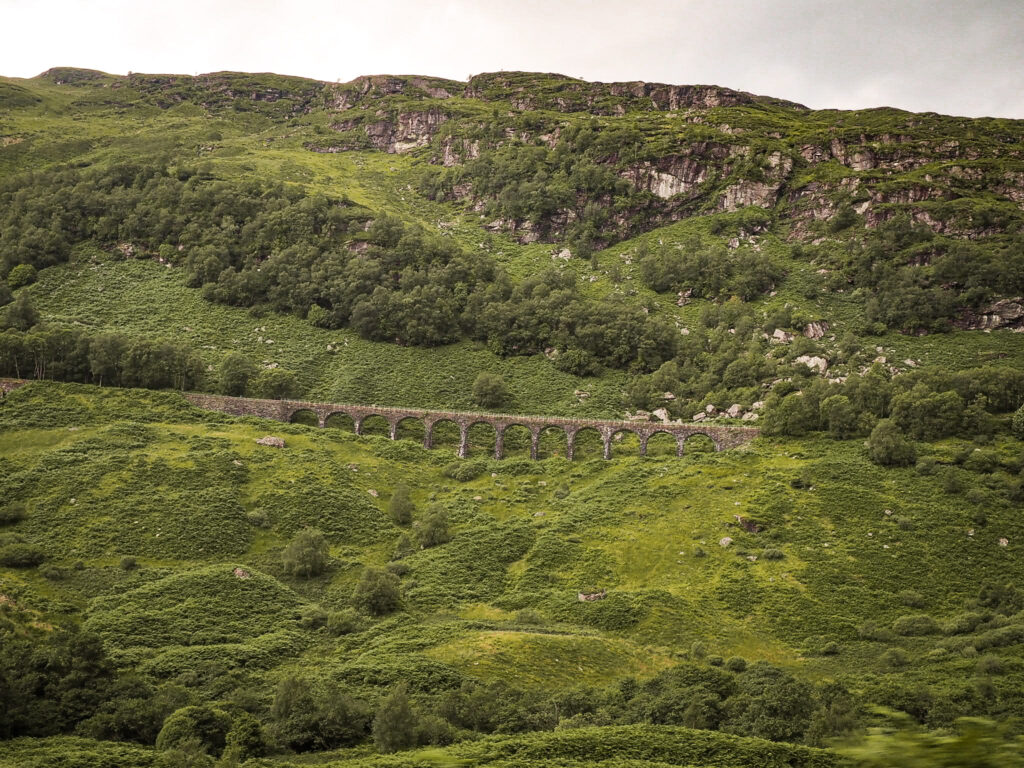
(286,410)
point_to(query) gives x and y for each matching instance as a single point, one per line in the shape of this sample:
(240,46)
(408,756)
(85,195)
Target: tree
(378,592)
(839,416)
(394,726)
(306,554)
(5,293)
(887,445)
(276,384)
(1018,423)
(235,373)
(489,390)
(23,274)
(205,723)
(105,353)
(433,530)
(22,314)
(401,506)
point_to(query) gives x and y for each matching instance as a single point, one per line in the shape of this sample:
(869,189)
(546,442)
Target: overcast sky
(962,57)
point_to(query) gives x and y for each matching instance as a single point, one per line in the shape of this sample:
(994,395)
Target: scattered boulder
(1004,542)
(750,417)
(241,573)
(587,597)
(734,411)
(725,541)
(781,337)
(662,414)
(667,396)
(816,330)
(700,416)
(819,364)
(748,525)
(273,442)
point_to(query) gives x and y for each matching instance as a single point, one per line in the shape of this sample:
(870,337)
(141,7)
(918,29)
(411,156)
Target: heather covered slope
(849,281)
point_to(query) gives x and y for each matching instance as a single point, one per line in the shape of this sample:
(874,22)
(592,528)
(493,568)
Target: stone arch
(374,424)
(340,420)
(481,436)
(306,416)
(626,442)
(409,428)
(661,442)
(697,442)
(553,441)
(585,443)
(516,440)
(442,432)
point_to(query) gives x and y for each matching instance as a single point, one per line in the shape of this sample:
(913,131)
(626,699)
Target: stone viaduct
(285,410)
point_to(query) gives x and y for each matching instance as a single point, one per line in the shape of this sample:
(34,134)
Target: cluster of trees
(116,359)
(917,405)
(708,272)
(917,280)
(573,190)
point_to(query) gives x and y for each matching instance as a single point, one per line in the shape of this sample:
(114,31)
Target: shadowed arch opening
(625,443)
(698,444)
(588,445)
(376,425)
(341,421)
(661,444)
(482,437)
(553,442)
(305,416)
(517,442)
(446,435)
(411,428)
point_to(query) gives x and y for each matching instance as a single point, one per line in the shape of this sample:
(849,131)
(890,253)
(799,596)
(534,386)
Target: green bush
(400,506)
(990,664)
(489,390)
(888,446)
(128,563)
(205,723)
(306,554)
(21,275)
(1018,423)
(911,598)
(772,554)
(378,592)
(915,625)
(15,552)
(12,513)
(736,664)
(464,471)
(343,622)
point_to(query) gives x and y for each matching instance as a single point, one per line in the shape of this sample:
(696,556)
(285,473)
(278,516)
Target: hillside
(850,282)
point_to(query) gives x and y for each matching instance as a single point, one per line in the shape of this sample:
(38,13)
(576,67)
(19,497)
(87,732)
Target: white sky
(961,57)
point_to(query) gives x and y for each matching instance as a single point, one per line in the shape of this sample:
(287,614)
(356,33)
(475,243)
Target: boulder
(819,364)
(750,417)
(734,411)
(816,330)
(725,541)
(700,416)
(273,442)
(662,414)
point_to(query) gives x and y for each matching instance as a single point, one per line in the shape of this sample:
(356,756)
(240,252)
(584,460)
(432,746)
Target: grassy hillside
(847,552)
(172,592)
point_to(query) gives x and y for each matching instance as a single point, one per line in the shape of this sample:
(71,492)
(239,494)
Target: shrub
(911,598)
(258,518)
(888,446)
(312,617)
(343,622)
(895,657)
(489,390)
(871,630)
(12,513)
(529,617)
(5,293)
(378,592)
(1018,423)
(433,530)
(128,563)
(21,275)
(772,554)
(16,553)
(306,554)
(394,726)
(915,625)
(736,664)
(715,661)
(401,506)
(235,373)
(210,726)
(464,471)
(989,664)
(276,384)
